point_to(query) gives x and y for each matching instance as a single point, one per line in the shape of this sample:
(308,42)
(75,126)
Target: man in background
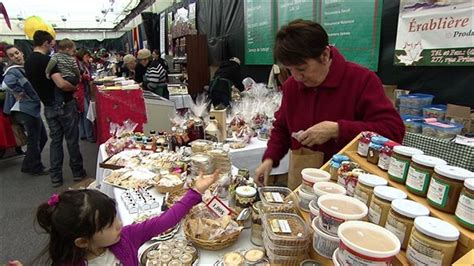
(62,117)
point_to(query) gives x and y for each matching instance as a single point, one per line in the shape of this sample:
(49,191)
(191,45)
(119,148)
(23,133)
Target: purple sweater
(135,235)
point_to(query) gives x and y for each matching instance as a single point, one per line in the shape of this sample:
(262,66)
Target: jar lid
(246,191)
(410,208)
(426,160)
(453,172)
(339,158)
(375,146)
(407,151)
(391,144)
(469,183)
(389,193)
(372,180)
(436,228)
(379,140)
(417,96)
(335,164)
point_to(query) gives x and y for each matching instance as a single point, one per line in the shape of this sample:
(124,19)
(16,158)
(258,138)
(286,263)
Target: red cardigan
(351,95)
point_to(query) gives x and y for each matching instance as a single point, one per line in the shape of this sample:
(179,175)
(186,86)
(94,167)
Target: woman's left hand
(319,133)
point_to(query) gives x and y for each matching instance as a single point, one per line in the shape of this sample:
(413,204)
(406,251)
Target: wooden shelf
(466,239)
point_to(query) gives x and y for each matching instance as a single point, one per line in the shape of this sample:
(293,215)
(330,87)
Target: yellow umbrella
(34,23)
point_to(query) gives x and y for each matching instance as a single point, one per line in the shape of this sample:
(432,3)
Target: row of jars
(447,188)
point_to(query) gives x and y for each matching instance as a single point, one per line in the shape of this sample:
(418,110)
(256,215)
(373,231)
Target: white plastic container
(305,197)
(313,209)
(337,209)
(324,188)
(314,175)
(363,243)
(324,244)
(334,258)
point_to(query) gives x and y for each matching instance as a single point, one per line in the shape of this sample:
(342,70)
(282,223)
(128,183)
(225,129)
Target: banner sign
(435,33)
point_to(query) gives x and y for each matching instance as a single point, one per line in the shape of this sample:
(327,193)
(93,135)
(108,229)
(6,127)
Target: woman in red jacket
(327,101)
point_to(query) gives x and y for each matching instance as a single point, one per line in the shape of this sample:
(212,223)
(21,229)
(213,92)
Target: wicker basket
(175,196)
(164,189)
(215,244)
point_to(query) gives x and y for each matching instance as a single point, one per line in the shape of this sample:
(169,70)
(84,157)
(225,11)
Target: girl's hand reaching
(202,183)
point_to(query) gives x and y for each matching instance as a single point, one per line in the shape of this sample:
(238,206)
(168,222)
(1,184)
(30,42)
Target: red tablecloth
(116,106)
(7,139)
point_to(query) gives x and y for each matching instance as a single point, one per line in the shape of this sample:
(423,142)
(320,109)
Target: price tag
(280,226)
(273,197)
(218,207)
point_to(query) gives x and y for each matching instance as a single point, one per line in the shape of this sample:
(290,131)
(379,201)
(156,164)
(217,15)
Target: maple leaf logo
(412,53)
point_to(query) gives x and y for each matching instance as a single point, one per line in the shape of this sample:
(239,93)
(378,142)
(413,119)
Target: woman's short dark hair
(298,41)
(78,213)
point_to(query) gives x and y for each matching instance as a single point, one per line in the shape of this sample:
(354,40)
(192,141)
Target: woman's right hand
(202,183)
(263,171)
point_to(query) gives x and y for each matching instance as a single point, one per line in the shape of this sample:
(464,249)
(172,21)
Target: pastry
(254,255)
(233,259)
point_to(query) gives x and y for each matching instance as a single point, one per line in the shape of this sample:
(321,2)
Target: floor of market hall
(21,194)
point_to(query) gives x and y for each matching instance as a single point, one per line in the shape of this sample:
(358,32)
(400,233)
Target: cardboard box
(221,116)
(390,92)
(460,114)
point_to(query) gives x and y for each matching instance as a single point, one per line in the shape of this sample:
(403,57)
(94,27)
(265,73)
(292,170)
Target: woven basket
(174,196)
(164,189)
(215,244)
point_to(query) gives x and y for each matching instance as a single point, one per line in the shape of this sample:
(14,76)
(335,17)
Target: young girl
(85,230)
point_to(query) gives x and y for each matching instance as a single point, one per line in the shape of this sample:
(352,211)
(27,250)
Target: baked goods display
(201,162)
(137,200)
(169,183)
(201,145)
(128,178)
(221,160)
(207,231)
(176,251)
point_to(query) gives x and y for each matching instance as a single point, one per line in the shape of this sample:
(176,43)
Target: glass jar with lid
(365,187)
(401,217)
(335,163)
(445,187)
(376,144)
(419,173)
(245,196)
(432,242)
(400,161)
(465,208)
(364,141)
(381,201)
(385,154)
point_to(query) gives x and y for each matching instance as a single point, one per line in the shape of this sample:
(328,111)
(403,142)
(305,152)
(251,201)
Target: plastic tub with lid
(324,188)
(416,100)
(409,110)
(323,243)
(277,199)
(402,216)
(437,111)
(432,242)
(334,258)
(313,209)
(337,209)
(363,243)
(381,201)
(314,175)
(442,130)
(305,197)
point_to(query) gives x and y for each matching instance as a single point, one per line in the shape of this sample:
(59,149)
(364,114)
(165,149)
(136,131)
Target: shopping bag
(299,160)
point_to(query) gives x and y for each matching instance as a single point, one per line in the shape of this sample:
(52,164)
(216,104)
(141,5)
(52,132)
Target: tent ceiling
(68,14)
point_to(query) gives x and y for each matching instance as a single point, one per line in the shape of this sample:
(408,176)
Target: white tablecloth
(181,101)
(250,157)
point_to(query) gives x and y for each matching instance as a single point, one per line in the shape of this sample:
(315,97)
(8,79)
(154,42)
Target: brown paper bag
(300,159)
(19,133)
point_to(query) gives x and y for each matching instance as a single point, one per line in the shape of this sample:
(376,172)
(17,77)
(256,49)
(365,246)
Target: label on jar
(465,210)
(273,197)
(345,257)
(375,213)
(363,149)
(417,180)
(397,168)
(398,228)
(361,195)
(280,226)
(384,161)
(438,192)
(420,254)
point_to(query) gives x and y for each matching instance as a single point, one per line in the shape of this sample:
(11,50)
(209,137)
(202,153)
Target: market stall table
(182,101)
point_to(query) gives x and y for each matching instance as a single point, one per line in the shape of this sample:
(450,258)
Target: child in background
(84,228)
(66,63)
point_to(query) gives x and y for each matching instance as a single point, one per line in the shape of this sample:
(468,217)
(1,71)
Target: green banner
(354,29)
(289,10)
(259,32)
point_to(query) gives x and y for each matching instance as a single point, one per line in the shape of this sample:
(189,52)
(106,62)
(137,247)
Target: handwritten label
(218,207)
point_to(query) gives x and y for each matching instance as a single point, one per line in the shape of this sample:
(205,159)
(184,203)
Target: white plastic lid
(453,172)
(409,208)
(436,228)
(426,160)
(469,183)
(372,180)
(246,191)
(389,193)
(323,188)
(407,151)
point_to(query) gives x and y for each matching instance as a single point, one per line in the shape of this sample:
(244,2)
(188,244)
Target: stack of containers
(286,238)
(311,176)
(334,210)
(412,104)
(277,200)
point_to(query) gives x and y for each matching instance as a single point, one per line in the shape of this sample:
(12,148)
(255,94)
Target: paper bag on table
(299,160)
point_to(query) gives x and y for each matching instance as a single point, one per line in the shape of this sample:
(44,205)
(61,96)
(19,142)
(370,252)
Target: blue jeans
(36,139)
(63,123)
